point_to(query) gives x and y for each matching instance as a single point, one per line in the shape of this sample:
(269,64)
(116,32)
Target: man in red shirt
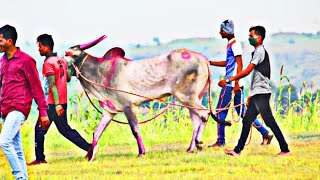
(55,70)
(19,84)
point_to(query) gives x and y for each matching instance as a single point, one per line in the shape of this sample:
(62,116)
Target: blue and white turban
(227,26)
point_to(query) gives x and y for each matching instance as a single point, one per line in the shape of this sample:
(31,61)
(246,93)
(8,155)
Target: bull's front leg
(134,125)
(104,122)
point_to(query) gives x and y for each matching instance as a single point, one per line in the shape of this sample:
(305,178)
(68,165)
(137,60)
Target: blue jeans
(224,98)
(11,144)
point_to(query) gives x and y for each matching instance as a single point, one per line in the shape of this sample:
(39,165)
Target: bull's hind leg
(194,104)
(198,140)
(199,115)
(198,127)
(104,122)
(134,125)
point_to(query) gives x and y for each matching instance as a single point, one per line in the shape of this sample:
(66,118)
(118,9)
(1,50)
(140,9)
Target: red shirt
(20,84)
(57,66)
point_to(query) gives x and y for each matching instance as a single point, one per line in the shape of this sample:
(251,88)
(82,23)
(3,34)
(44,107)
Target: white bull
(182,73)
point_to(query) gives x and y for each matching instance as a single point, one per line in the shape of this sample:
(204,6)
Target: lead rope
(241,109)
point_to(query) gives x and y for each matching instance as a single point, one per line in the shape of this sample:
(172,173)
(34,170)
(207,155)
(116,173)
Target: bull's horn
(90,44)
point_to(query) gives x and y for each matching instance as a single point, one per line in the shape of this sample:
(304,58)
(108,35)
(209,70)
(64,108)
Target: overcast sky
(139,21)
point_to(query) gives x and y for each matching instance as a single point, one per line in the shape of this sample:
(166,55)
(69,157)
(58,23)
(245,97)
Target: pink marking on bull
(185,55)
(100,60)
(107,103)
(109,58)
(112,69)
(142,150)
(94,142)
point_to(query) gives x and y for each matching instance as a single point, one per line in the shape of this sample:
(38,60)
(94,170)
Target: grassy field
(166,140)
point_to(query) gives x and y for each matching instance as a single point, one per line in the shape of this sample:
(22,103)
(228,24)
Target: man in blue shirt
(233,65)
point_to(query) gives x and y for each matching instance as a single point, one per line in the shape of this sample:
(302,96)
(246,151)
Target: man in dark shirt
(260,93)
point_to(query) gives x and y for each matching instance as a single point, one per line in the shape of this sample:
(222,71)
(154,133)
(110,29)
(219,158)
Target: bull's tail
(219,121)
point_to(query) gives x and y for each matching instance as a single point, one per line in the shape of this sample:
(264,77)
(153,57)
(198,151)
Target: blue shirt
(233,49)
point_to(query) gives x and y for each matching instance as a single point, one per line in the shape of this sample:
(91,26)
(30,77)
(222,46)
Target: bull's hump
(114,52)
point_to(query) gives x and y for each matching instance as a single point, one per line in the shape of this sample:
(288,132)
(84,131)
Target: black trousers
(64,129)
(260,104)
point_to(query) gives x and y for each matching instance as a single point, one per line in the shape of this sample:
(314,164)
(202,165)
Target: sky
(139,21)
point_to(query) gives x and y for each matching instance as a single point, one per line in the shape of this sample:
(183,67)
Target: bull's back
(165,70)
(147,72)
(161,75)
(189,62)
(194,70)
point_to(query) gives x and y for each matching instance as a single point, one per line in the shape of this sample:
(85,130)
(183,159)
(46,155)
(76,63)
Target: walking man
(20,83)
(233,65)
(55,70)
(260,93)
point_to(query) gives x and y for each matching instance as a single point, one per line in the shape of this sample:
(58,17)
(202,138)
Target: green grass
(166,156)
(166,140)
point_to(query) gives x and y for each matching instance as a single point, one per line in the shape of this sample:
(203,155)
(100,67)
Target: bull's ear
(90,44)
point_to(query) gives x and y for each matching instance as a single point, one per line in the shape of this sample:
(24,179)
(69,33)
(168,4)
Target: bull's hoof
(198,142)
(199,147)
(92,153)
(204,119)
(189,151)
(141,155)
(89,154)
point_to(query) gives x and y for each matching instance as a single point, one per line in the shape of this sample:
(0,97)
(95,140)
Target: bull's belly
(146,95)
